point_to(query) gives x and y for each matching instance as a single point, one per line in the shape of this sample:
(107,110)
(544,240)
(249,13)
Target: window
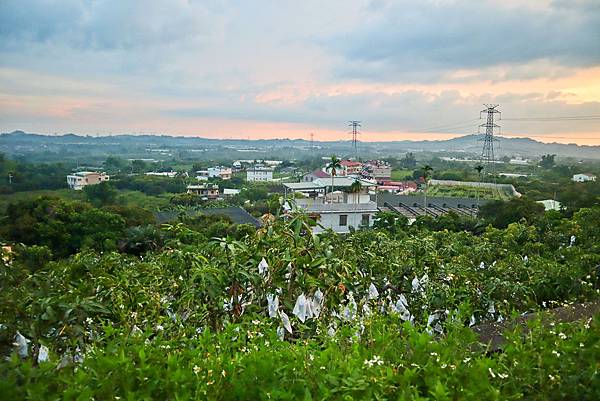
(365,220)
(343,220)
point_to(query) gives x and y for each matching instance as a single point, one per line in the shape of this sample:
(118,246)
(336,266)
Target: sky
(286,69)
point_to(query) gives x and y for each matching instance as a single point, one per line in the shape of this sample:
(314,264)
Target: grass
(466,192)
(400,175)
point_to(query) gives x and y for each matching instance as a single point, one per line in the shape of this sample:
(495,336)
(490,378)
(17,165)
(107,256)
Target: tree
(547,161)
(65,227)
(427,169)
(100,194)
(479,169)
(355,189)
(501,213)
(139,166)
(333,167)
(114,164)
(390,221)
(409,161)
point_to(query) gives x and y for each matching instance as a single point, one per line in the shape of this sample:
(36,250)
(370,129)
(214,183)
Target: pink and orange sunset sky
(275,69)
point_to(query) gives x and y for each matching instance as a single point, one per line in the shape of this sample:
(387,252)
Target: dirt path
(491,333)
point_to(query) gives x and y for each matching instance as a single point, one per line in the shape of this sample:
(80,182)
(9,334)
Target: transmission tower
(488,159)
(312,141)
(355,125)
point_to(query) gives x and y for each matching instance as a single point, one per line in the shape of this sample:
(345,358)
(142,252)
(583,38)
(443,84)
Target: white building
(338,217)
(221,172)
(550,204)
(230,192)
(583,177)
(208,191)
(80,179)
(258,173)
(170,174)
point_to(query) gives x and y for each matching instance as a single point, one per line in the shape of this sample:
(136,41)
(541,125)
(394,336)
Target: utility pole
(355,125)
(488,159)
(10,177)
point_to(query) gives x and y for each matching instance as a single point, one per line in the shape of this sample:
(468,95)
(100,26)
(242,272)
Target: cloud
(241,67)
(106,25)
(427,38)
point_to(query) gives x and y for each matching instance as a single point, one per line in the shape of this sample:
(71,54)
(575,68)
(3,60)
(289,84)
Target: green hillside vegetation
(376,314)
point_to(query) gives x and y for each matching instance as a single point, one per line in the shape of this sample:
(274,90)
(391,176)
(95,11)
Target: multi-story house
(259,173)
(81,179)
(209,191)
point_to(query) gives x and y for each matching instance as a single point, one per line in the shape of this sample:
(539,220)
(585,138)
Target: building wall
(223,173)
(259,175)
(583,178)
(332,220)
(382,172)
(77,182)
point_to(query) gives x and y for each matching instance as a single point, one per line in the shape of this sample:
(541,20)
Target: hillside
(19,143)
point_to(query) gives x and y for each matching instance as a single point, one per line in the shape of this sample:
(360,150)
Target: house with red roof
(310,177)
(350,167)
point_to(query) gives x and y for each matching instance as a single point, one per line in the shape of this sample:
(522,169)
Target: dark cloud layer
(426,36)
(103,25)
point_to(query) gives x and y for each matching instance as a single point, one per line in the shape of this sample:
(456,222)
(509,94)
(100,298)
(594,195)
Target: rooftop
(236,214)
(321,183)
(320,174)
(85,173)
(350,163)
(203,186)
(339,207)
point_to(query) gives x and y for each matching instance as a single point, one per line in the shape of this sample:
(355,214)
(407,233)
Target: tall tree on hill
(547,161)
(409,161)
(333,166)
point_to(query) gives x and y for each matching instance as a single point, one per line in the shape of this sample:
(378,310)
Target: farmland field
(282,314)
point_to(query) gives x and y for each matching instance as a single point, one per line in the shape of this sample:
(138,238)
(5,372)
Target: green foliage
(190,320)
(150,185)
(409,161)
(30,176)
(464,191)
(63,226)
(547,161)
(502,213)
(390,221)
(100,194)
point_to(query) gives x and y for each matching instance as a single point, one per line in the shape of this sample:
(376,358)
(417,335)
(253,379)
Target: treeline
(58,228)
(17,176)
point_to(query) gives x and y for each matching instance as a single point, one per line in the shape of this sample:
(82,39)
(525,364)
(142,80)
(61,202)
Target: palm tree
(355,189)
(479,169)
(427,169)
(333,166)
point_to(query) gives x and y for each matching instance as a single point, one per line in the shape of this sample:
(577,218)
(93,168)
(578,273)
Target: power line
(448,126)
(554,118)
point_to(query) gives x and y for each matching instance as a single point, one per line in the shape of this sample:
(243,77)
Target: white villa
(221,172)
(583,177)
(258,173)
(81,179)
(336,210)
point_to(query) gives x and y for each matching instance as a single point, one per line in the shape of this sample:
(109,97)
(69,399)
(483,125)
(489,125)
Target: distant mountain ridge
(469,144)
